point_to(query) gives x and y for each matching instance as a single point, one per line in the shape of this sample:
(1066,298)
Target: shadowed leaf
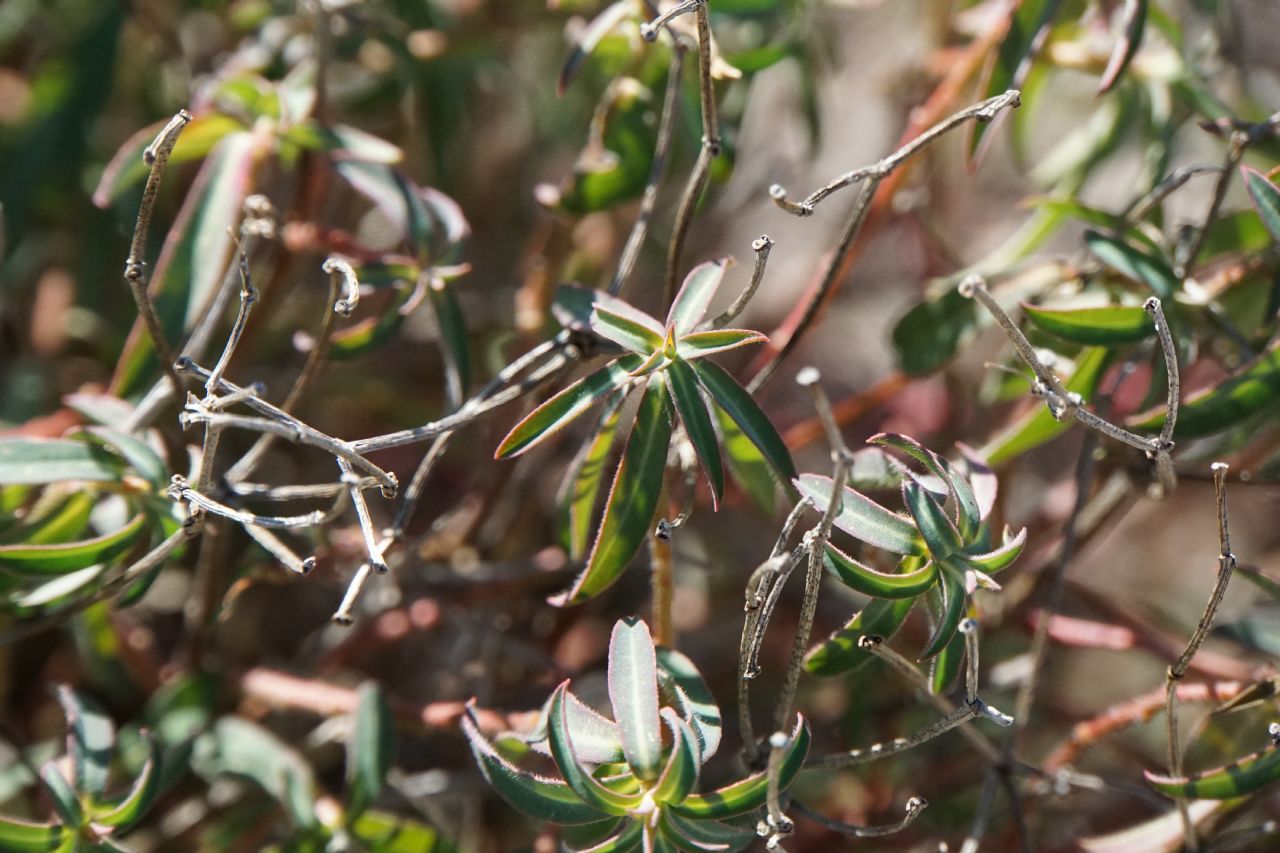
(44,560)
(1133,263)
(868,581)
(755,425)
(1108,326)
(1266,199)
(556,413)
(1135,20)
(695,294)
(687,397)
(840,652)
(1234,780)
(748,794)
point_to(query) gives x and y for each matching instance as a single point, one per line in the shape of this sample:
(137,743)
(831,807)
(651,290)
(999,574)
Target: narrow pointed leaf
(62,795)
(1224,405)
(544,799)
(840,652)
(628,840)
(868,581)
(633,690)
(59,559)
(946,666)
(940,535)
(1133,263)
(704,713)
(36,461)
(755,425)
(244,748)
(370,750)
(863,518)
(968,513)
(953,606)
(20,836)
(140,456)
(628,331)
(1000,558)
(560,410)
(747,465)
(576,775)
(141,794)
(750,793)
(702,344)
(687,396)
(454,339)
(695,294)
(1111,325)
(1234,780)
(127,167)
(91,738)
(1135,20)
(52,522)
(1266,199)
(595,739)
(632,501)
(587,836)
(706,835)
(680,776)
(583,480)
(600,26)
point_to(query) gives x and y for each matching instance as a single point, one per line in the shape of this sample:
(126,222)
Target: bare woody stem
(914,807)
(156,156)
(762,246)
(663,583)
(870,177)
(1176,672)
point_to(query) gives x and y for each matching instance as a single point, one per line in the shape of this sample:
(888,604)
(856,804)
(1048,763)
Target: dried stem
(870,177)
(362,513)
(180,491)
(1176,672)
(662,583)
(776,825)
(914,807)
(762,245)
(342,616)
(156,156)
(1164,462)
(276,547)
(958,716)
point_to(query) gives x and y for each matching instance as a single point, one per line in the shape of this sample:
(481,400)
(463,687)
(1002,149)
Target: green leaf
(371,332)
(748,794)
(868,581)
(632,501)
(683,385)
(1038,427)
(632,330)
(1135,20)
(242,748)
(968,513)
(195,254)
(544,799)
(1000,558)
(587,836)
(53,519)
(614,165)
(680,776)
(1224,405)
(141,794)
(600,26)
(91,737)
(371,749)
(755,425)
(560,410)
(595,739)
(1100,219)
(20,836)
(43,560)
(703,712)
(946,666)
(930,333)
(454,338)
(127,167)
(695,294)
(585,476)
(1028,21)
(579,778)
(863,518)
(633,690)
(1133,263)
(747,465)
(628,840)
(136,452)
(940,535)
(1108,326)
(62,795)
(1266,199)
(36,461)
(704,835)
(382,832)
(953,607)
(711,342)
(1234,780)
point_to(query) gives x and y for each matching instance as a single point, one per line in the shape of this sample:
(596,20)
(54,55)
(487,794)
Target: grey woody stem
(914,807)
(762,245)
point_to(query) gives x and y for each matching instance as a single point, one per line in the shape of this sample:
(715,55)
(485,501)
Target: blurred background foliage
(434,146)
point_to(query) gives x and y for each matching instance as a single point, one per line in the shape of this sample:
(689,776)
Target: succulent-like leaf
(595,738)
(59,559)
(585,476)
(633,690)
(454,339)
(680,776)
(755,425)
(370,750)
(586,836)
(1110,325)
(576,774)
(53,521)
(1002,557)
(703,712)
(704,835)
(630,839)
(243,748)
(882,617)
(748,794)
(21,836)
(1133,263)
(695,294)
(632,502)
(560,410)
(141,794)
(868,581)
(1266,199)
(633,330)
(1224,405)
(544,799)
(747,465)
(968,513)
(954,599)
(1135,20)
(687,396)
(863,518)
(36,461)
(601,25)
(91,737)
(703,344)
(1234,780)
(62,795)
(946,666)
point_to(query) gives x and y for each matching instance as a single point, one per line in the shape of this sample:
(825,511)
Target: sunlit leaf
(53,519)
(749,794)
(576,775)
(21,836)
(1234,780)
(1266,199)
(633,690)
(595,739)
(633,330)
(747,465)
(680,776)
(44,560)
(141,794)
(868,581)
(600,26)
(614,166)
(140,456)
(954,599)
(687,397)
(1133,263)
(1106,326)
(702,344)
(755,425)
(91,737)
(695,294)
(1224,405)
(390,833)
(556,413)
(968,513)
(863,518)
(1000,558)
(704,713)
(36,461)
(581,489)
(1135,20)
(370,750)
(840,652)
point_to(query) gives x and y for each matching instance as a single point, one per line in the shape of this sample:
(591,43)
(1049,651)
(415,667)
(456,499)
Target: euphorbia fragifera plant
(630,782)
